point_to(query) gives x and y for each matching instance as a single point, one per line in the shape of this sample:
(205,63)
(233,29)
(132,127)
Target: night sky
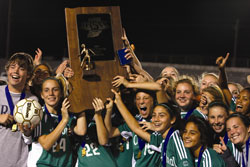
(180,32)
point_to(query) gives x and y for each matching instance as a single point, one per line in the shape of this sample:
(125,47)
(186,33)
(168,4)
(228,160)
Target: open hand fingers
(98,104)
(116,83)
(66,103)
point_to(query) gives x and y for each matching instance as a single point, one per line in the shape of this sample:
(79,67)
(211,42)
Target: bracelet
(99,111)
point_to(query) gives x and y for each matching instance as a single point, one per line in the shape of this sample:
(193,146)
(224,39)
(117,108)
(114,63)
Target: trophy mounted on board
(94,37)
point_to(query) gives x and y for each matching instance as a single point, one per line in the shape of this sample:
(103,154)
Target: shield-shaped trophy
(94,37)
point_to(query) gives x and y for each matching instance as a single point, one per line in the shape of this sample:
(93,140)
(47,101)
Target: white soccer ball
(28,111)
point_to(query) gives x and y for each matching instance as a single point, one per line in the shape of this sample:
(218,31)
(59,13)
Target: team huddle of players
(172,120)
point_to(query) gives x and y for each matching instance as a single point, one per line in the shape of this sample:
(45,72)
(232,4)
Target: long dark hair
(203,127)
(172,109)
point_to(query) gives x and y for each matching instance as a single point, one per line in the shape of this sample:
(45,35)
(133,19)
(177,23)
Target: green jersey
(186,114)
(176,154)
(210,158)
(124,158)
(236,153)
(95,156)
(61,153)
(233,104)
(125,154)
(198,113)
(147,156)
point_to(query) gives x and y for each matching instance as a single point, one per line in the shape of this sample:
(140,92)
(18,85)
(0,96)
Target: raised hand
(68,72)
(220,148)
(65,109)
(137,78)
(117,95)
(164,82)
(130,49)
(125,38)
(109,104)
(60,69)
(38,57)
(221,61)
(98,105)
(128,54)
(147,126)
(119,80)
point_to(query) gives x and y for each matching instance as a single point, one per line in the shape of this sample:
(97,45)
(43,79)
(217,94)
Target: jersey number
(89,148)
(61,145)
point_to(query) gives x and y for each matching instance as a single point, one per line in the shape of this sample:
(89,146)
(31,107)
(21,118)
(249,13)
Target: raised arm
(129,119)
(112,131)
(64,69)
(142,72)
(132,55)
(120,80)
(164,95)
(47,141)
(136,64)
(221,62)
(159,86)
(38,57)
(100,128)
(81,125)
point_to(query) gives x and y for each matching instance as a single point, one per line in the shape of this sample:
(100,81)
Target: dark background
(179,32)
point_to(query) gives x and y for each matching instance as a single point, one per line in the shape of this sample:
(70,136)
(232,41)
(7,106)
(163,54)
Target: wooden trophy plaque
(94,36)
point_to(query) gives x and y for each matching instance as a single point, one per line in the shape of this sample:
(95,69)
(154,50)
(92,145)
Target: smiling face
(17,76)
(144,103)
(237,132)
(51,93)
(217,118)
(184,95)
(243,102)
(161,119)
(191,136)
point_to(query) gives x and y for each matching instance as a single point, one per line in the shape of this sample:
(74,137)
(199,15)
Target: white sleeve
(27,140)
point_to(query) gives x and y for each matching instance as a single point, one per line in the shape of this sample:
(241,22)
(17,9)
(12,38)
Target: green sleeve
(156,139)
(124,127)
(176,152)
(233,105)
(211,158)
(125,131)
